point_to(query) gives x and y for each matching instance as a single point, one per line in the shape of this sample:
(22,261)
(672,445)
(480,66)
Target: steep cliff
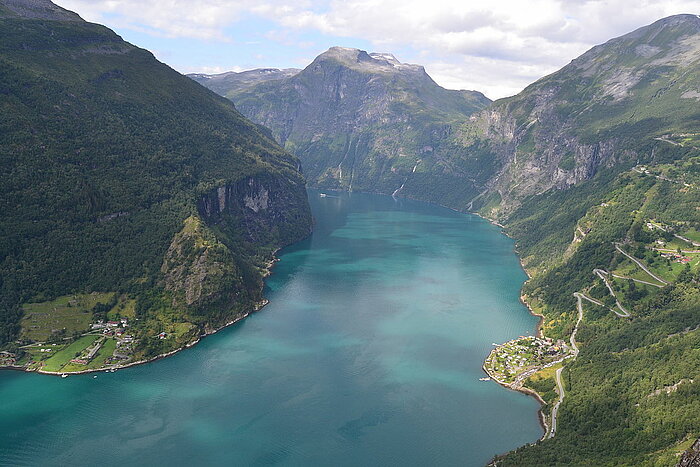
(365,121)
(121,175)
(610,108)
(691,458)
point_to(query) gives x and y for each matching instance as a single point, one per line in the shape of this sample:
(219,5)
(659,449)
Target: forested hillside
(633,393)
(123,177)
(598,183)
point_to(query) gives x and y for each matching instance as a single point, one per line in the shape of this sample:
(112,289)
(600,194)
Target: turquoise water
(369,353)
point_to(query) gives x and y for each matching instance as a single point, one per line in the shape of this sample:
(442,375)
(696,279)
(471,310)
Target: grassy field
(629,269)
(544,383)
(125,308)
(70,312)
(692,234)
(37,355)
(670,273)
(65,355)
(98,362)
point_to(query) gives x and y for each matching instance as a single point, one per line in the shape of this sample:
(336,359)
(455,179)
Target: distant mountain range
(227,84)
(365,121)
(370,123)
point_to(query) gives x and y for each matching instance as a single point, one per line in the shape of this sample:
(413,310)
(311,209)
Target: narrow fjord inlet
(369,353)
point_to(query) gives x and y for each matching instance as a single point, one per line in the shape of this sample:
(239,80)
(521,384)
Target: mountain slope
(368,122)
(228,84)
(607,108)
(617,132)
(121,175)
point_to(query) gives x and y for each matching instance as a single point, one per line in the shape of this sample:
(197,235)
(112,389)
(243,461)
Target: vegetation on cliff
(120,175)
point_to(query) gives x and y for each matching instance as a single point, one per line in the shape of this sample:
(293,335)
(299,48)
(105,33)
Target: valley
(144,209)
(593,171)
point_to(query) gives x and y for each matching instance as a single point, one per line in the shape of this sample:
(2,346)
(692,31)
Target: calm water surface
(369,353)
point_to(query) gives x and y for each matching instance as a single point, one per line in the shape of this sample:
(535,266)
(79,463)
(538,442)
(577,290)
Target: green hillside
(602,165)
(105,153)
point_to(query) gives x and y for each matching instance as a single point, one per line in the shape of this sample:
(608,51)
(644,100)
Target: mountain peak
(373,62)
(683,18)
(36,9)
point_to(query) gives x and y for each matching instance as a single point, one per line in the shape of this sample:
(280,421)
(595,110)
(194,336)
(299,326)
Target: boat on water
(64,375)
(484,379)
(323,195)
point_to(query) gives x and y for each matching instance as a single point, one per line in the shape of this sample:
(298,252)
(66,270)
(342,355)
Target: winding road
(602,273)
(555,409)
(624,314)
(557,374)
(640,264)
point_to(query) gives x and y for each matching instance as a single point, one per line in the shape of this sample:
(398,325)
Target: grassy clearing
(65,355)
(671,272)
(692,234)
(98,362)
(71,313)
(629,269)
(671,455)
(125,308)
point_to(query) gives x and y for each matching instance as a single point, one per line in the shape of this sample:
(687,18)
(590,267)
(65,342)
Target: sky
(497,46)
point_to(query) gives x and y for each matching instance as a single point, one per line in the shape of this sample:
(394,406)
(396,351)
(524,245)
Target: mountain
(594,170)
(129,191)
(227,84)
(367,122)
(608,108)
(598,183)
(36,9)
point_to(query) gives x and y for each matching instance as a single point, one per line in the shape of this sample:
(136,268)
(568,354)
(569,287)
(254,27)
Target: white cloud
(497,46)
(200,19)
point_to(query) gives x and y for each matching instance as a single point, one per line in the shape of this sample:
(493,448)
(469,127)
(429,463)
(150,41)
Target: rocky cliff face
(691,458)
(365,121)
(228,84)
(199,270)
(608,108)
(264,208)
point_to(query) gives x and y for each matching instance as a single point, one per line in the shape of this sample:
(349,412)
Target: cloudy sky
(494,46)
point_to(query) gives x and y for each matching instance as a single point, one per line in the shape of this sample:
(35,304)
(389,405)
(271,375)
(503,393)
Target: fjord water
(369,353)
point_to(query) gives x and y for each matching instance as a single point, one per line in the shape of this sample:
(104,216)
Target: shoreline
(256,307)
(541,318)
(523,390)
